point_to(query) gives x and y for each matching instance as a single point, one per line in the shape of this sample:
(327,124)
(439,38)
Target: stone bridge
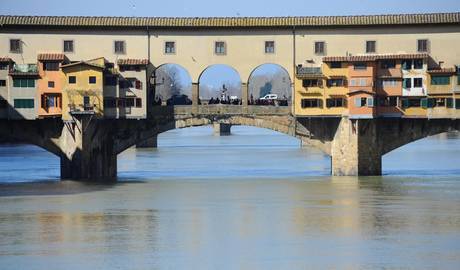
(88,147)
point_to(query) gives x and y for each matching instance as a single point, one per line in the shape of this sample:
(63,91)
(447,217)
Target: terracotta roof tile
(5,59)
(51,57)
(131,62)
(69,21)
(374,57)
(442,71)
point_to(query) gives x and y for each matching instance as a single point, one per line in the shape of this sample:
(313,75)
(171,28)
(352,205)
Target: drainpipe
(293,68)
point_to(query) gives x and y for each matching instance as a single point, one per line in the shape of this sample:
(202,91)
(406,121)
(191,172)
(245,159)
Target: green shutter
(458,79)
(449,102)
(431,102)
(457,104)
(16,83)
(24,103)
(424,103)
(440,80)
(31,83)
(405,103)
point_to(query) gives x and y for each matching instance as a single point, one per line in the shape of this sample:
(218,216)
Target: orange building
(50,84)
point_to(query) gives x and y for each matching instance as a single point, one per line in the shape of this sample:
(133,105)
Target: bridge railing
(221,109)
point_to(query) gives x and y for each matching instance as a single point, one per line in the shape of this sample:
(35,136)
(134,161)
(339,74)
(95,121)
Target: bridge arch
(220,82)
(269,78)
(173,85)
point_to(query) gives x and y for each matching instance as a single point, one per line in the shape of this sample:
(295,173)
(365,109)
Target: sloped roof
(133,62)
(5,59)
(82,63)
(375,57)
(183,22)
(51,57)
(442,71)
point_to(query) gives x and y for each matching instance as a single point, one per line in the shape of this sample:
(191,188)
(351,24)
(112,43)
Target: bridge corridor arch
(219,84)
(269,78)
(172,84)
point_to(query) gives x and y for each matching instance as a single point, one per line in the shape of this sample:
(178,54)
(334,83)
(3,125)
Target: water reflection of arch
(269,78)
(224,83)
(173,85)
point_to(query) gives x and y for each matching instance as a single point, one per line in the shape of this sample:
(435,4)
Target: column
(195,97)
(244,97)
(355,148)
(222,129)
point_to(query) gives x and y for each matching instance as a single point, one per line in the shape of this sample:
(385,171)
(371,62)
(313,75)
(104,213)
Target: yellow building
(441,85)
(83,88)
(321,90)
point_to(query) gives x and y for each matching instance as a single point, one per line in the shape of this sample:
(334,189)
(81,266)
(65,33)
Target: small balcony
(308,72)
(24,70)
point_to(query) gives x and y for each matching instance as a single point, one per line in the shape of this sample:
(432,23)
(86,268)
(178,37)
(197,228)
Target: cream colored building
(242,43)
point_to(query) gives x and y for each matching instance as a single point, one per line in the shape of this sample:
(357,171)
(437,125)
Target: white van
(270,97)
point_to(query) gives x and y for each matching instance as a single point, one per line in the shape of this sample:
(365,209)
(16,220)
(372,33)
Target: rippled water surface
(253,200)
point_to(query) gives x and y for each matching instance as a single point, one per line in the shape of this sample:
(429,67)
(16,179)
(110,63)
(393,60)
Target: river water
(253,200)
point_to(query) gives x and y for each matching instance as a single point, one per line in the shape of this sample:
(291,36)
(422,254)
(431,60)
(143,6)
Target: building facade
(386,88)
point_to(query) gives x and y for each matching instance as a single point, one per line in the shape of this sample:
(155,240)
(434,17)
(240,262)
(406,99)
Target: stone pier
(87,150)
(355,149)
(222,129)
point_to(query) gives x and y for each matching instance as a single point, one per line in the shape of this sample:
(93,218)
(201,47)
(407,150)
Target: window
(170,47)
(138,103)
(119,47)
(50,101)
(311,82)
(407,83)
(269,47)
(418,63)
(311,103)
(388,64)
(336,64)
(358,82)
(72,80)
(110,81)
(407,64)
(219,47)
(422,45)
(24,103)
(320,47)
(361,102)
(2,83)
(335,102)
(92,79)
(418,82)
(335,82)
(370,46)
(360,66)
(23,83)
(129,102)
(15,46)
(440,80)
(387,101)
(51,66)
(3,103)
(3,66)
(86,100)
(389,82)
(50,84)
(68,46)
(415,102)
(138,84)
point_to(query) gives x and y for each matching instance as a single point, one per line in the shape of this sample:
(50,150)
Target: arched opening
(220,84)
(434,155)
(269,84)
(173,85)
(198,152)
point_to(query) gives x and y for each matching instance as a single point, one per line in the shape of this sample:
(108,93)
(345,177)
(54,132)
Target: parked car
(270,97)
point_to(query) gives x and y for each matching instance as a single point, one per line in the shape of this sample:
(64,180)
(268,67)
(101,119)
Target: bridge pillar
(88,150)
(355,149)
(244,97)
(222,129)
(195,97)
(149,143)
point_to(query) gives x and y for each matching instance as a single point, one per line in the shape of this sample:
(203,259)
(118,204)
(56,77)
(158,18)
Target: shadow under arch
(275,79)
(173,85)
(226,89)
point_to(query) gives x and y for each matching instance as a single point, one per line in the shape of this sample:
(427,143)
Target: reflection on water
(179,214)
